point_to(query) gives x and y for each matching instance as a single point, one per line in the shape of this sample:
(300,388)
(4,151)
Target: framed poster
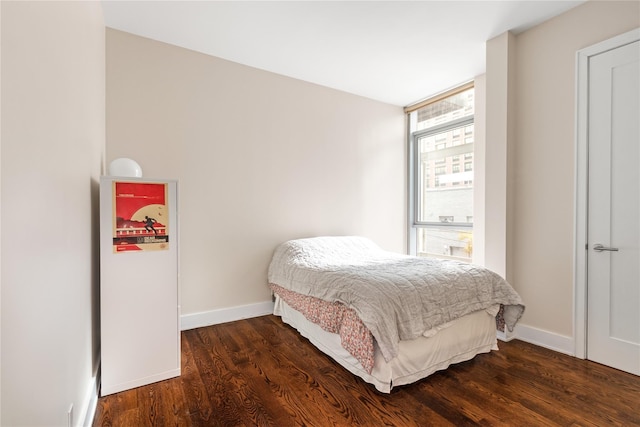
(140,216)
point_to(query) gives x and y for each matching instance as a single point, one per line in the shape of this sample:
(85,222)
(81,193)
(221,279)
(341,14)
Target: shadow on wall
(95,277)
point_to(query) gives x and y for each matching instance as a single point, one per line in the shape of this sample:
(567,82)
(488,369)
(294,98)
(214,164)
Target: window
(441,211)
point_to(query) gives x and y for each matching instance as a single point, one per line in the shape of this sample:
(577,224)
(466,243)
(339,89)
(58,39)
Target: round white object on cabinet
(125,167)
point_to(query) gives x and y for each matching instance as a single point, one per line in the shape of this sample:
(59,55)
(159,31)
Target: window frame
(415,198)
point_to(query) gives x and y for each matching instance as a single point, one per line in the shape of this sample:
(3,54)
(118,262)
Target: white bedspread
(398,297)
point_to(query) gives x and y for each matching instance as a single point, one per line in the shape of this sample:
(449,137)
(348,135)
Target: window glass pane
(451,242)
(442,179)
(444,190)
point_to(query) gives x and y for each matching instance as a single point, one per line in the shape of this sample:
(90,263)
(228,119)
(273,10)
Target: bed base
(460,341)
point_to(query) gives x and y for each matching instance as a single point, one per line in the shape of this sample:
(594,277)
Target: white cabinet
(139,300)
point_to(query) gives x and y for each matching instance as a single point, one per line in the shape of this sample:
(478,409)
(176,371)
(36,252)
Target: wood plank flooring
(261,372)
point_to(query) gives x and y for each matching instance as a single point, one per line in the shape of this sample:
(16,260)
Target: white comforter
(398,297)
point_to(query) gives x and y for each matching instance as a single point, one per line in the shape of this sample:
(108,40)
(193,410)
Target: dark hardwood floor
(260,372)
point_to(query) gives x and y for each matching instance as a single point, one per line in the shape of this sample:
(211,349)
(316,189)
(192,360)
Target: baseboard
(108,389)
(90,403)
(224,315)
(542,338)
(506,335)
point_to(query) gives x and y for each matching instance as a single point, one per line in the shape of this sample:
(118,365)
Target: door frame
(581,183)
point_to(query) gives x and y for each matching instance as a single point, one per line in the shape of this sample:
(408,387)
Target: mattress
(459,341)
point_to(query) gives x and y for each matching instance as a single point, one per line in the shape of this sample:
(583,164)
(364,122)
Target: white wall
(260,159)
(540,206)
(52,114)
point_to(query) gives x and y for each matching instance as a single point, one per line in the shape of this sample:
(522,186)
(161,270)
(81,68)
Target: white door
(613,256)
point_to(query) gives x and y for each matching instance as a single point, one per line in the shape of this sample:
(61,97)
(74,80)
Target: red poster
(140,216)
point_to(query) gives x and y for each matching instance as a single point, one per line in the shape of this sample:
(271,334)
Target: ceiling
(397,52)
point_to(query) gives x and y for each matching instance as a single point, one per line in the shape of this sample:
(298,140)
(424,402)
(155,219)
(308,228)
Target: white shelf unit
(139,293)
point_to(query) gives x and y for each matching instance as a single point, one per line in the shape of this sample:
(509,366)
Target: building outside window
(441,199)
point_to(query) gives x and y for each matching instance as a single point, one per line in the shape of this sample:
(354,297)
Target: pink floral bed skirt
(336,318)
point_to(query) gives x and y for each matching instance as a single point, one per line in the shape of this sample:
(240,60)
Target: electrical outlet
(70,416)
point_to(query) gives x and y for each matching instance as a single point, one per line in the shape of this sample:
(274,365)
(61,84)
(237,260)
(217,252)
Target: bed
(388,318)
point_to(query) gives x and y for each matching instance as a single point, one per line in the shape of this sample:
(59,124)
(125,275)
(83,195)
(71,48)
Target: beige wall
(499,81)
(52,141)
(540,255)
(479,181)
(0,212)
(260,159)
